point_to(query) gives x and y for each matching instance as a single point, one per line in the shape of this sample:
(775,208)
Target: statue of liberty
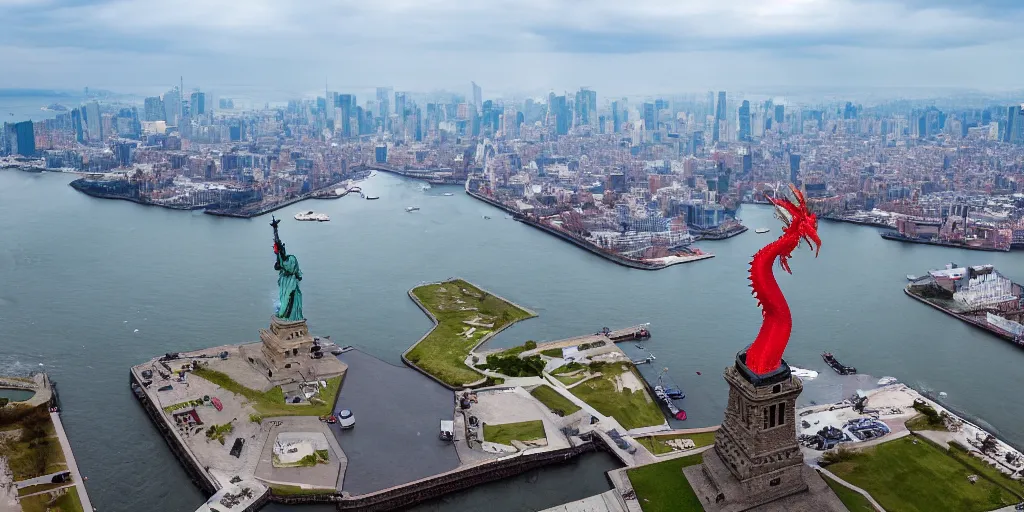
(288,277)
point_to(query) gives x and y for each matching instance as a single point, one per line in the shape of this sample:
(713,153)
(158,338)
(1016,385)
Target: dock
(633,333)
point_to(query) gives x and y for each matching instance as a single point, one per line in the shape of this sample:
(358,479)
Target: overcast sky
(613,46)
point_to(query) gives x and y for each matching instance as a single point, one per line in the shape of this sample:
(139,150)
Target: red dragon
(765,354)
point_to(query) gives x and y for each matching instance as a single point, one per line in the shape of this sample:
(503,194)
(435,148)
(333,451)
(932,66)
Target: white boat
(311,216)
(803,374)
(761,231)
(449,194)
(911,277)
(412,208)
(885,381)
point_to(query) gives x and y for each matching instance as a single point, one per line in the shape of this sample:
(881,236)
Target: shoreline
(869,223)
(966,319)
(896,237)
(589,247)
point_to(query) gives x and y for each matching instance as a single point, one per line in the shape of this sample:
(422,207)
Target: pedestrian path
(852,487)
(65,446)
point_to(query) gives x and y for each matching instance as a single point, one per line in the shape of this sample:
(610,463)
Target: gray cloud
(524,44)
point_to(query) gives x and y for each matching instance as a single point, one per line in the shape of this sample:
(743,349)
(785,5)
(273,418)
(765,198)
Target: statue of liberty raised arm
(288,277)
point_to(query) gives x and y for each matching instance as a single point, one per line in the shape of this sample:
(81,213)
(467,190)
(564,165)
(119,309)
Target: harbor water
(91,287)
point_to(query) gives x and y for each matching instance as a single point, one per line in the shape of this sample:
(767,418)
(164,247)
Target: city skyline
(507,48)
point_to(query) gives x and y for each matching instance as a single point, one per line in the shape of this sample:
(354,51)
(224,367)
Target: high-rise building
(586,107)
(780,114)
(384,102)
(794,168)
(478,96)
(719,117)
(561,110)
(616,117)
(93,121)
(197,104)
(744,121)
(154,109)
(346,104)
(172,106)
(20,138)
(1014,122)
(400,110)
(650,121)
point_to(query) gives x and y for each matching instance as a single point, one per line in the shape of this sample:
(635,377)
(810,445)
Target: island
(37,467)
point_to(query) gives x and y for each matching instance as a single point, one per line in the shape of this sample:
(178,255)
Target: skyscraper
(197,104)
(93,121)
(76,125)
(586,107)
(719,117)
(172,106)
(780,114)
(650,121)
(384,103)
(1013,121)
(478,97)
(616,117)
(561,111)
(21,138)
(744,121)
(345,102)
(154,109)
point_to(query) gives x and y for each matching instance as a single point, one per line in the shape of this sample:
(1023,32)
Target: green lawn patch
(632,409)
(33,449)
(443,351)
(983,469)
(505,433)
(552,352)
(658,445)
(271,403)
(854,501)
(66,500)
(294,490)
(571,379)
(553,400)
(568,368)
(907,477)
(922,422)
(32,489)
(662,487)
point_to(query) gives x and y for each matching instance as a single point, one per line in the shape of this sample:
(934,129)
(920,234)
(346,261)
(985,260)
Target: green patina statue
(288,277)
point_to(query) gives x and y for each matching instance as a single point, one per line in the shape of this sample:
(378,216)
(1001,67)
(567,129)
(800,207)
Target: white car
(346,419)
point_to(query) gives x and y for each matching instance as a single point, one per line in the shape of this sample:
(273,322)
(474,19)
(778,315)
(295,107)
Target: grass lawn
(853,500)
(981,468)
(505,433)
(907,477)
(554,401)
(661,487)
(292,490)
(67,502)
(570,380)
(658,446)
(271,403)
(43,487)
(35,457)
(632,409)
(922,422)
(552,352)
(442,353)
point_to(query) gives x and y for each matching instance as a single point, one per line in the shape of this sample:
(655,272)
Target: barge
(840,368)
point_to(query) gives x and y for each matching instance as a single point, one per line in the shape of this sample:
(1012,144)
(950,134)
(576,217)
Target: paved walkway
(852,487)
(604,502)
(39,480)
(72,465)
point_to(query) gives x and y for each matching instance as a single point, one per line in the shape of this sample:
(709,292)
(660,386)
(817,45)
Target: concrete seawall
(195,472)
(980,325)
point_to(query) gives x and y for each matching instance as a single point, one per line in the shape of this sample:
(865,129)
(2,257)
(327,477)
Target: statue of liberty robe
(289,294)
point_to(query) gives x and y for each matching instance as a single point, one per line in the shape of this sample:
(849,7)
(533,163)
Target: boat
(449,194)
(885,381)
(761,231)
(411,208)
(912,277)
(840,368)
(677,413)
(803,374)
(311,216)
(372,198)
(647,360)
(486,217)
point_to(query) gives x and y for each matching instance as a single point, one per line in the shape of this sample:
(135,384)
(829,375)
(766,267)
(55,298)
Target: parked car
(346,419)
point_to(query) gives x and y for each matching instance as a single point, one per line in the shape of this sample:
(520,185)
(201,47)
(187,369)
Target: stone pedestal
(756,463)
(286,345)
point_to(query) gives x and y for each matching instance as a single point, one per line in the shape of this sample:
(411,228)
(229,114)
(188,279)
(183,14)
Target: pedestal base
(719,491)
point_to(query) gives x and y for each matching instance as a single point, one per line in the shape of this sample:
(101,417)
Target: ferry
(840,368)
(412,208)
(761,231)
(311,216)
(372,198)
(449,194)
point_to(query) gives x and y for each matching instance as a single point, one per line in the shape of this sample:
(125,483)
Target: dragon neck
(765,353)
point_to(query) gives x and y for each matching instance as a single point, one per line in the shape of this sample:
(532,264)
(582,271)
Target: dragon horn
(799,195)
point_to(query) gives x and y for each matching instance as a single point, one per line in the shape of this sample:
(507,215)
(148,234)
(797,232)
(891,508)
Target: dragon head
(800,224)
